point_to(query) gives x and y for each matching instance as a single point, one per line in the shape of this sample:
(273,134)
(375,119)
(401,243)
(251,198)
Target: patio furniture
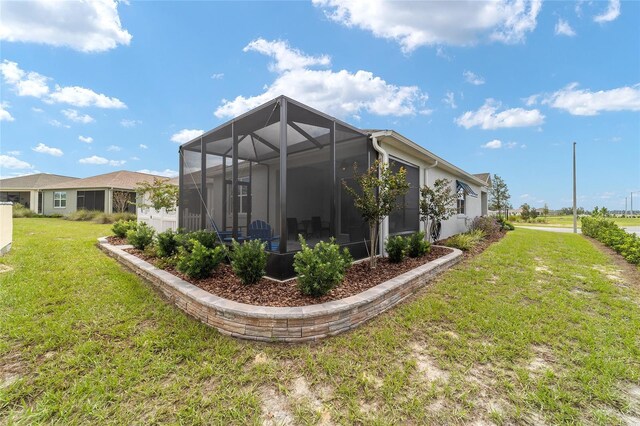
(316,227)
(293,229)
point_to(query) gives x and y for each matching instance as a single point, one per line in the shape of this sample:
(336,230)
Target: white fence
(159,220)
(6,227)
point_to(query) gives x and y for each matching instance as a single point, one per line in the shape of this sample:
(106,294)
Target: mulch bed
(482,245)
(116,241)
(359,277)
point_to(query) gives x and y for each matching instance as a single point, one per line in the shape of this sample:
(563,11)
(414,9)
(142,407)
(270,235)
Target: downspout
(383,232)
(426,183)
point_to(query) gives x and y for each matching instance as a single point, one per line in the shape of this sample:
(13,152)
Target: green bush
(141,236)
(113,217)
(249,260)
(82,215)
(208,239)
(465,241)
(396,248)
(610,234)
(19,210)
(417,246)
(508,226)
(167,245)
(121,227)
(201,261)
(322,268)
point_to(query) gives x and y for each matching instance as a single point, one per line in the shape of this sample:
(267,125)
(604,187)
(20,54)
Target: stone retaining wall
(276,324)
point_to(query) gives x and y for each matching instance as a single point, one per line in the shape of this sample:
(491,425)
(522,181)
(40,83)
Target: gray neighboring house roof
(486,177)
(34,181)
(121,179)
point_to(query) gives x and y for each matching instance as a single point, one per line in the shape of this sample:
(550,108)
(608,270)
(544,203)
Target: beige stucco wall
(47,201)
(6,227)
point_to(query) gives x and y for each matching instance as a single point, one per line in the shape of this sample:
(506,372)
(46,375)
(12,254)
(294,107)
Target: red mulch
(266,292)
(116,241)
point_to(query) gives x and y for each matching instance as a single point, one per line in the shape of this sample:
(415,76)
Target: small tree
(379,188)
(160,194)
(499,193)
(525,212)
(437,203)
(121,200)
(545,210)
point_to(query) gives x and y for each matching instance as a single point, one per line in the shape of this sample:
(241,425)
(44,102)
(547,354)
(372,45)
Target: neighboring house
(283,164)
(26,190)
(99,192)
(159,220)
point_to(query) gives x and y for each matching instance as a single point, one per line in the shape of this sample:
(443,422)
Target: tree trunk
(374,236)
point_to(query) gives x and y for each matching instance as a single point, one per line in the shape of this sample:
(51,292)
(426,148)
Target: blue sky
(502,87)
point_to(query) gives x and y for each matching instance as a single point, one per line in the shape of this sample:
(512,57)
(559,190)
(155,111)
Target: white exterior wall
(459,222)
(6,227)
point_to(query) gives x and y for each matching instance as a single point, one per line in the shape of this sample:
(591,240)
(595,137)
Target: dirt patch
(543,359)
(12,369)
(5,268)
(629,273)
(374,381)
(426,365)
(275,408)
(582,292)
(116,241)
(224,283)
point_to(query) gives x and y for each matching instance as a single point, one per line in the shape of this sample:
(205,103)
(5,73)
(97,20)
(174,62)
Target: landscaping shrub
(249,260)
(508,226)
(82,215)
(21,211)
(465,241)
(201,261)
(396,248)
(486,224)
(322,268)
(208,239)
(167,245)
(121,227)
(417,246)
(610,234)
(141,236)
(113,217)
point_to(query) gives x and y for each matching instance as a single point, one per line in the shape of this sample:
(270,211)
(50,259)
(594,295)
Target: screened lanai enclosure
(272,174)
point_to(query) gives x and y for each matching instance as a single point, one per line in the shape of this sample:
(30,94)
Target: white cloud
(23,83)
(94,159)
(166,172)
(14,152)
(114,148)
(473,78)
(217,76)
(494,144)
(38,110)
(612,12)
(143,146)
(487,117)
(511,145)
(56,123)
(340,93)
(450,100)
(87,26)
(416,24)
(34,84)
(286,58)
(563,28)
(585,102)
(83,97)
(129,123)
(85,139)
(9,162)
(134,158)
(73,115)
(185,135)
(4,114)
(44,149)
(531,100)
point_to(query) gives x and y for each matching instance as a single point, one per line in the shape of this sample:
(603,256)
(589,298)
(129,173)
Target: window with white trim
(243,193)
(462,201)
(59,200)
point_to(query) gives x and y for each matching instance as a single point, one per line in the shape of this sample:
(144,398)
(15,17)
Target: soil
(116,241)
(224,283)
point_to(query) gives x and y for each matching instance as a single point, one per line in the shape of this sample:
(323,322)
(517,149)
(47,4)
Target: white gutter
(384,226)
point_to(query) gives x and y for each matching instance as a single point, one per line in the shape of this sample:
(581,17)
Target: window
(406,216)
(59,200)
(243,191)
(462,201)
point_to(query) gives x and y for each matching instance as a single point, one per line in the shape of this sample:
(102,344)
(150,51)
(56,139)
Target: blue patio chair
(261,230)
(225,236)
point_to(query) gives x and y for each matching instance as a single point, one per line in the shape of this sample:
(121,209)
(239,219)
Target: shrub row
(465,241)
(607,232)
(99,216)
(320,268)
(413,246)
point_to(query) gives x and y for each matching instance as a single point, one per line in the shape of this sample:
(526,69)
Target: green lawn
(542,327)
(567,221)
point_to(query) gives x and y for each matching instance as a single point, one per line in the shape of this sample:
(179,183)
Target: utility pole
(631,203)
(575,211)
(625,206)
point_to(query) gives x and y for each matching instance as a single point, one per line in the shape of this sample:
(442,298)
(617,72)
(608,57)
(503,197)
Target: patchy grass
(541,327)
(567,221)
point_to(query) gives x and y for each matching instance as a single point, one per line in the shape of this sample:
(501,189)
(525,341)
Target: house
(26,190)
(110,192)
(160,220)
(285,164)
